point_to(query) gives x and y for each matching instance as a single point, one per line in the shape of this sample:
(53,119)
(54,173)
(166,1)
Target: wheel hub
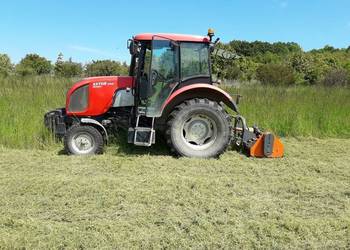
(199,131)
(83,143)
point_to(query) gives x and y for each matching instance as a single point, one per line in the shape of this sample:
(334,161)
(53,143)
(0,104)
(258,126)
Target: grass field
(151,200)
(297,111)
(143,198)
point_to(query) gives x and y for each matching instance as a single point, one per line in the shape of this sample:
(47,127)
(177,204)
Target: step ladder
(142,136)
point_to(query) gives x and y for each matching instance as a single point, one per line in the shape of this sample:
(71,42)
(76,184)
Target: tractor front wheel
(83,140)
(199,128)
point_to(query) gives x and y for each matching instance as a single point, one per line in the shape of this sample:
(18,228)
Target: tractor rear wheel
(199,128)
(83,140)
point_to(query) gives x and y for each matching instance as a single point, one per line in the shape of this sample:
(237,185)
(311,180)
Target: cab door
(163,74)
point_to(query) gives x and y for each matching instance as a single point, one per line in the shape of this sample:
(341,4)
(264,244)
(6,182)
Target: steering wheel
(156,75)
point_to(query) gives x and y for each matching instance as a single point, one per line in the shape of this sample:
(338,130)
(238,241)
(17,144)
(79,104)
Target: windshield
(163,73)
(194,60)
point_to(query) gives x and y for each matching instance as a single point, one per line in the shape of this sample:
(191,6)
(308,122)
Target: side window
(194,60)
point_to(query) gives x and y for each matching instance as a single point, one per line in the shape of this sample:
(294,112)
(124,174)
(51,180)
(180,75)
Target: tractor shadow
(62,152)
(118,145)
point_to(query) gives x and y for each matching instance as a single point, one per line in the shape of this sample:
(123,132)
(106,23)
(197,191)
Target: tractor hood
(93,96)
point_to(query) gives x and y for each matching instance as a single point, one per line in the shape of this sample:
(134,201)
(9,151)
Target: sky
(90,30)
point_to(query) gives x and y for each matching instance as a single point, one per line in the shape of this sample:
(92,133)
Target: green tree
(33,64)
(105,68)
(268,57)
(67,68)
(6,66)
(312,67)
(255,48)
(327,48)
(59,65)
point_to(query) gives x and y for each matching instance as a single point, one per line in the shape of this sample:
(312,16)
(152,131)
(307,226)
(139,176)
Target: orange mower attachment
(254,142)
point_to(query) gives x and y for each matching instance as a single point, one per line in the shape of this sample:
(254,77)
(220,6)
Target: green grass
(134,197)
(149,200)
(23,102)
(300,111)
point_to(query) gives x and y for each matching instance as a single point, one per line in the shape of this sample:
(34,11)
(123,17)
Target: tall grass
(23,102)
(299,111)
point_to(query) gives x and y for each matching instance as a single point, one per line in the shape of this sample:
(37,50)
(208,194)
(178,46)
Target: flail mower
(169,91)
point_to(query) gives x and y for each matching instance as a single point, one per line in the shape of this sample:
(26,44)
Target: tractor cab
(162,63)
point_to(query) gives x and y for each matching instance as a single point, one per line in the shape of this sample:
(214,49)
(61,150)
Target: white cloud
(87,49)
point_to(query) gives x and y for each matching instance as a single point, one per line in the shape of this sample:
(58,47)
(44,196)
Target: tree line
(33,64)
(268,63)
(283,64)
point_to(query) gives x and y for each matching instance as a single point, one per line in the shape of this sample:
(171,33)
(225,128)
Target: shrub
(5,65)
(105,68)
(275,74)
(248,68)
(336,77)
(232,72)
(33,64)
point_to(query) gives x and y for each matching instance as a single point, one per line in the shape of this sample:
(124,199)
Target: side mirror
(132,47)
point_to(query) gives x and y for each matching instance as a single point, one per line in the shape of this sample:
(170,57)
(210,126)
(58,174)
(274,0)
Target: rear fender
(198,90)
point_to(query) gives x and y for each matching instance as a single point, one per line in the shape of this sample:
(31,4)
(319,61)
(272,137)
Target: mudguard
(199,90)
(93,121)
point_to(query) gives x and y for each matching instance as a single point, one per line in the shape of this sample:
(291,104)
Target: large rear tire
(199,128)
(83,140)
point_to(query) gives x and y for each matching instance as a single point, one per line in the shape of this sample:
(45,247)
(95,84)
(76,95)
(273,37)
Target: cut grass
(150,200)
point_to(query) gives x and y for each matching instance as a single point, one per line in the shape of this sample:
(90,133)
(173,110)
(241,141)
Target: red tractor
(169,91)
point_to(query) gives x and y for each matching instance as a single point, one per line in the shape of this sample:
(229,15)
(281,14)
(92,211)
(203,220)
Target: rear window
(194,60)
(78,101)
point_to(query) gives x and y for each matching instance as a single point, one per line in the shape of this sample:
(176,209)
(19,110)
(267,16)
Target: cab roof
(175,37)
